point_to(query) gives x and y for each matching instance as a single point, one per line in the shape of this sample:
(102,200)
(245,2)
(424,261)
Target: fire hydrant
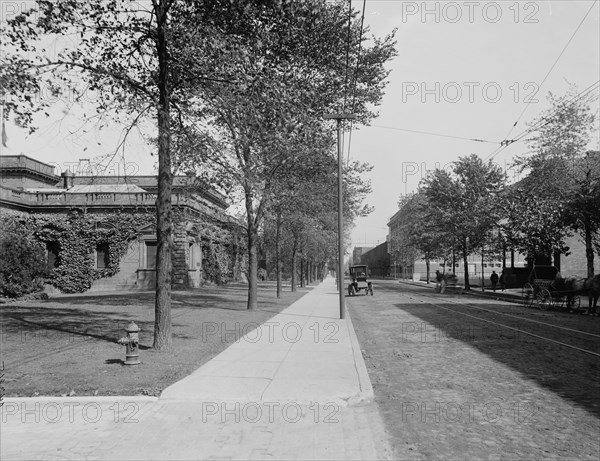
(132,344)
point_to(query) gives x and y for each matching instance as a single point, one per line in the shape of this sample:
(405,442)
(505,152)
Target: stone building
(204,234)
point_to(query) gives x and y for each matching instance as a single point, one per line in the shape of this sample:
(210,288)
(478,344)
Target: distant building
(378,260)
(574,264)
(202,228)
(358,252)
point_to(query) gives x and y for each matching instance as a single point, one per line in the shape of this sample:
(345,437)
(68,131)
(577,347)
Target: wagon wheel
(544,299)
(527,295)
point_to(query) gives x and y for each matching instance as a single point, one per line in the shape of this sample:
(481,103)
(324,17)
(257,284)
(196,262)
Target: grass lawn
(68,344)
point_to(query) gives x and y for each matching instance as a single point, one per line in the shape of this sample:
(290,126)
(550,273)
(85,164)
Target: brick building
(357,253)
(378,260)
(574,264)
(202,228)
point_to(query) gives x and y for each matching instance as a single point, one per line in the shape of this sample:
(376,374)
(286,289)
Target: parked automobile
(359,275)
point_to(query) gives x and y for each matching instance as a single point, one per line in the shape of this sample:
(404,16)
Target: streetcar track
(466,304)
(521,318)
(520,331)
(430,297)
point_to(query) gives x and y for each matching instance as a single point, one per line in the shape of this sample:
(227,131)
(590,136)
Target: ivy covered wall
(73,238)
(224,253)
(76,236)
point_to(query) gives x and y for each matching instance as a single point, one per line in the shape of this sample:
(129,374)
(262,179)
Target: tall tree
(533,224)
(299,194)
(122,50)
(418,232)
(562,173)
(139,59)
(583,207)
(464,202)
(291,62)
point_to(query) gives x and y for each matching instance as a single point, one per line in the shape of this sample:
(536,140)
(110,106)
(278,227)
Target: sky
(468,70)
(465,69)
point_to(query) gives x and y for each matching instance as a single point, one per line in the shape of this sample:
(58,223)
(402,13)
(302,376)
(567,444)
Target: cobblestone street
(453,387)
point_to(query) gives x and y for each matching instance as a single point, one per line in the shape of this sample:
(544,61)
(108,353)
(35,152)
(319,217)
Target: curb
(82,398)
(366,393)
(498,296)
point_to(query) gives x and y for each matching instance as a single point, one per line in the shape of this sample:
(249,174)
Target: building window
(150,255)
(53,249)
(191,255)
(102,258)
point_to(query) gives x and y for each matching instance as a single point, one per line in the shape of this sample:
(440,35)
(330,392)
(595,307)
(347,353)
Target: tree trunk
(252,269)
(454,261)
(589,248)
(252,234)
(556,259)
(252,264)
(465,255)
(278,253)
(482,272)
(427,268)
(294,264)
(302,284)
(163,339)
(236,257)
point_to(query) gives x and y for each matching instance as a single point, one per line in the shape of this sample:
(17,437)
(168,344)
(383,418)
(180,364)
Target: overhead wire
(347,54)
(580,96)
(362,22)
(347,66)
(430,133)
(547,74)
(505,142)
(543,121)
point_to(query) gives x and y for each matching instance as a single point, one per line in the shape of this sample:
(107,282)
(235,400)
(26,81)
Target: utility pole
(339,118)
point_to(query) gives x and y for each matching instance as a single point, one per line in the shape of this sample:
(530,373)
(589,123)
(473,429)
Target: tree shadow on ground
(105,316)
(569,373)
(55,324)
(208,302)
(129,299)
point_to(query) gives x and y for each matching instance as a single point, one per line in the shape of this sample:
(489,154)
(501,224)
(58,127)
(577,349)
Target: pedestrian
(502,281)
(438,281)
(494,280)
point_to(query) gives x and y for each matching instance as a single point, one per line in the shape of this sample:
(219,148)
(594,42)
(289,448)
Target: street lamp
(339,118)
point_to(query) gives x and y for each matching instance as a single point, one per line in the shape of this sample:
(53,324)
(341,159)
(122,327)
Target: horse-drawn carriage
(546,289)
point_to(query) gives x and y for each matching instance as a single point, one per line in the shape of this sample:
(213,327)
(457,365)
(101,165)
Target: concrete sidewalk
(296,387)
(304,354)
